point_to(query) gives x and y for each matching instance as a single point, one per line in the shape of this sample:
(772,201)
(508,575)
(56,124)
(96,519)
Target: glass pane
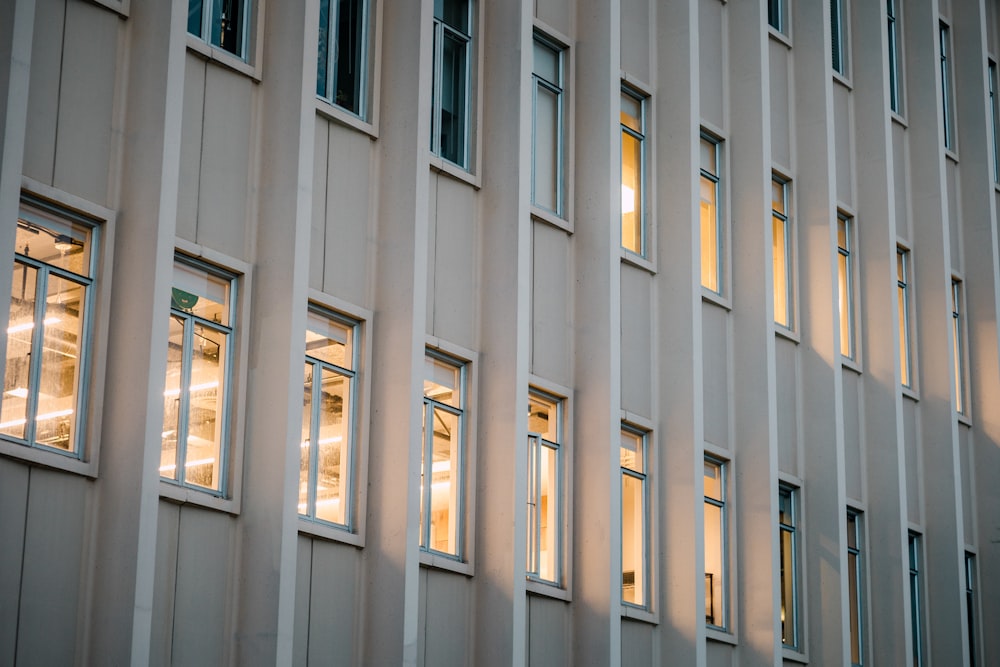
(20,329)
(200,293)
(548,514)
(780,268)
(633,541)
(778,196)
(332,448)
(547,63)
(349,57)
(714,565)
(172,398)
(854,573)
(442,382)
(205,418)
(713,481)
(904,356)
(546,149)
(631,112)
(445,482)
(323,50)
(785,511)
(62,335)
(454,13)
(852,531)
(631,452)
(305,446)
(708,163)
(56,242)
(543,417)
(227,25)
(842,235)
(788,607)
(453,109)
(709,236)
(533,504)
(844,295)
(194,17)
(631,193)
(329,341)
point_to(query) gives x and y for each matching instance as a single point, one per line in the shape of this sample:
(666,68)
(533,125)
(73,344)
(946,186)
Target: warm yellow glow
(196,462)
(709,236)
(19,392)
(28,326)
(628,200)
(195,387)
(780,268)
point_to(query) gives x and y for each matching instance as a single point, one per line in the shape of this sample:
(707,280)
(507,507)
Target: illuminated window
(838,35)
(635,518)
(781,254)
(48,349)
(895,56)
(903,306)
(856,587)
(548,140)
(442,461)
(944,45)
(957,344)
(916,598)
(992,75)
(716,565)
(712,233)
(971,607)
(787,525)
(545,488)
(777,14)
(329,402)
(633,126)
(196,395)
(450,112)
(221,23)
(845,284)
(342,67)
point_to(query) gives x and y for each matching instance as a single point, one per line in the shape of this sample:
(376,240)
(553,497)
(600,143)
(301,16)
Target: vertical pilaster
(128,487)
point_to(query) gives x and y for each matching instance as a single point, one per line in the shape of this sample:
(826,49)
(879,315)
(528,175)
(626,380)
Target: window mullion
(185,398)
(37,352)
(428,447)
(316,380)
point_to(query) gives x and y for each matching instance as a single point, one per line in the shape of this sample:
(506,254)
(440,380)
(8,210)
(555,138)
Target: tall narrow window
(845,284)
(916,599)
(342,67)
(635,518)
(781,243)
(903,306)
(944,45)
(547,166)
(971,607)
(451,110)
(957,344)
(712,232)
(838,35)
(992,74)
(545,488)
(222,23)
(716,564)
(633,126)
(48,332)
(196,396)
(328,408)
(787,520)
(856,587)
(776,14)
(895,56)
(442,464)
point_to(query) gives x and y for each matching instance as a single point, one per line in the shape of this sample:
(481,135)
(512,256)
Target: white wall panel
(317,239)
(548,632)
(636,21)
(637,341)
(13,514)
(853,456)
(447,618)
(844,143)
(711,56)
(43,92)
(164,583)
(715,369)
(786,378)
(192,126)
(456,264)
(637,644)
(551,307)
(914,496)
(781,148)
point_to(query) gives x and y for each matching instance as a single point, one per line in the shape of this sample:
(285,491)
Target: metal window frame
(440,29)
(317,366)
(838,37)
(427,456)
(641,138)
(893,47)
(207,17)
(847,252)
(720,233)
(792,529)
(859,580)
(558,89)
(914,549)
(184,397)
(333,37)
(991,73)
(723,506)
(971,607)
(944,44)
(535,444)
(646,519)
(958,346)
(903,295)
(779,19)
(790,311)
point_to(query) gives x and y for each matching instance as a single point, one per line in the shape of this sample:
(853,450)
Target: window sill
(543,589)
(779,36)
(183,495)
(849,364)
(794,655)
(639,614)
(787,333)
(550,218)
(442,166)
(629,257)
(715,298)
(950,154)
(963,419)
(898,119)
(119,7)
(330,533)
(714,634)
(47,458)
(337,115)
(441,562)
(843,80)
(221,57)
(910,393)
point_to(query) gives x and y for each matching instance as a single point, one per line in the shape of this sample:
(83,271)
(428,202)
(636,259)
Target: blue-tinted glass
(194,17)
(323,55)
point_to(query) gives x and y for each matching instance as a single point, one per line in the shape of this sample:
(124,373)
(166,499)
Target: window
(781,246)
(633,123)
(450,109)
(957,344)
(712,232)
(787,519)
(971,604)
(342,67)
(196,395)
(916,599)
(442,462)
(221,23)
(329,403)
(992,75)
(776,10)
(944,43)
(635,518)
(845,284)
(716,570)
(903,305)
(48,333)
(856,587)
(545,488)
(895,56)
(838,36)
(548,162)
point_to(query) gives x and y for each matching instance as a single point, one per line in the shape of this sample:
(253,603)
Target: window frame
(469,108)
(722,231)
(895,53)
(367,36)
(847,274)
(644,252)
(557,88)
(643,435)
(792,529)
(858,637)
(559,585)
(788,229)
(991,75)
(840,45)
(915,559)
(722,465)
(959,347)
(972,607)
(903,306)
(248,34)
(947,92)
(777,16)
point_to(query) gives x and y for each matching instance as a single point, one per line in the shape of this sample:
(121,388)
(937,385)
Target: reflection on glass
(854,587)
(788,574)
(715,544)
(844,287)
(547,141)
(544,496)
(903,306)
(956,344)
(441,478)
(779,256)
(634,518)
(711,241)
(632,174)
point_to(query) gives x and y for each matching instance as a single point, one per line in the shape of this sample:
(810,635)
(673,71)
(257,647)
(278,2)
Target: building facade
(534,332)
